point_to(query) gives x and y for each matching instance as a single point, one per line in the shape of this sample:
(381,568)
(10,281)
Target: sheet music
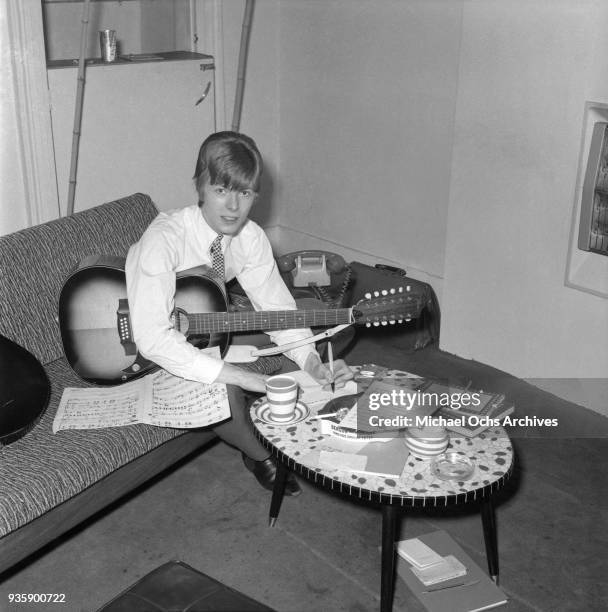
(159,399)
(99,407)
(181,403)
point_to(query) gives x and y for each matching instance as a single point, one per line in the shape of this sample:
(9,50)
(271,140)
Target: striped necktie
(217,258)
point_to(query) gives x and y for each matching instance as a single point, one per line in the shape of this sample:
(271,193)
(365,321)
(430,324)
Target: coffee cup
(426,441)
(282,396)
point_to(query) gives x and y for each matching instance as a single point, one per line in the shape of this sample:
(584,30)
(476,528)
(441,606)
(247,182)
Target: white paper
(95,408)
(313,394)
(184,403)
(156,399)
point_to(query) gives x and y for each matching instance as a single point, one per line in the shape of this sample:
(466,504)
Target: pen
(330,354)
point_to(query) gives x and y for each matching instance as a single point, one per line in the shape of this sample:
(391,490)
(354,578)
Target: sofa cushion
(35,262)
(41,470)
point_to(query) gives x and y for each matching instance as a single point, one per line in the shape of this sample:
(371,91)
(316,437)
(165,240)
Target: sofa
(49,483)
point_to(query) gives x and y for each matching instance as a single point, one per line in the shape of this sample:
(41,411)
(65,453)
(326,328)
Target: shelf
(139,58)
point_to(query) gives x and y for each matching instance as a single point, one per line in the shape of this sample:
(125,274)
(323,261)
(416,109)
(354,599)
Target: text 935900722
(24,598)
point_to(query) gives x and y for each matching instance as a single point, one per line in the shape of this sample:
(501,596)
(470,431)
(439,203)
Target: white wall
(367,93)
(260,116)
(526,69)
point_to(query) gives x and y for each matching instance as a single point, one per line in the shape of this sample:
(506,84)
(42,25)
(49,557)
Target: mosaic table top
(299,444)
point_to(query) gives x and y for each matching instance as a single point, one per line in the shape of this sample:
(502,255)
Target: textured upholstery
(34,263)
(41,470)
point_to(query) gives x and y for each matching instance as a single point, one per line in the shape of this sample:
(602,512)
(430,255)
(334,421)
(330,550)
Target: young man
(218,233)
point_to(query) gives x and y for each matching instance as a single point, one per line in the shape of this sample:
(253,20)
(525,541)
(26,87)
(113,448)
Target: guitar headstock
(388,307)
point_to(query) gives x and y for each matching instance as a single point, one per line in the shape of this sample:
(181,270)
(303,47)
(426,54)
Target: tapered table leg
(277,493)
(389,529)
(488,519)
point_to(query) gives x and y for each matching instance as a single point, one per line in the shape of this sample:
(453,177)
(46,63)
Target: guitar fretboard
(214,322)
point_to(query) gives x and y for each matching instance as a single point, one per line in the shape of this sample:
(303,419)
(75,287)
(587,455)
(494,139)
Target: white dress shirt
(181,239)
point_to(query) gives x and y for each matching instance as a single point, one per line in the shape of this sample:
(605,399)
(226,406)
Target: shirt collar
(205,233)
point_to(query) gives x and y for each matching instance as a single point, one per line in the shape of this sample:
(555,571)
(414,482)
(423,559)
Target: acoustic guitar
(98,339)
(24,391)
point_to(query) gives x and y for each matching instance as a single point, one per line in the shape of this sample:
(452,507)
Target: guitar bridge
(123,325)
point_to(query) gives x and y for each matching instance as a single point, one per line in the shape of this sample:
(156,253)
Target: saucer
(262,412)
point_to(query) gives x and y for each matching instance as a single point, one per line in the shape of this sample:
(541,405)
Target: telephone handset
(311,268)
(316,274)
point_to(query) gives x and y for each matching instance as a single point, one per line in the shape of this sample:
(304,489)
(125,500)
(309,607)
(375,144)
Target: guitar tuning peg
(368,324)
(368,296)
(384,322)
(376,323)
(376,294)
(392,321)
(384,292)
(392,291)
(408,288)
(399,320)
(400,289)
(407,320)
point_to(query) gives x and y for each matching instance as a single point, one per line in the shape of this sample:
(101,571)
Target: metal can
(107,41)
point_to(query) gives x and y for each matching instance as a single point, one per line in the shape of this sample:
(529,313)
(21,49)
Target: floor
(323,554)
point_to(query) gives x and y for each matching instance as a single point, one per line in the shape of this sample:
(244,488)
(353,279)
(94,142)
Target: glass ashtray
(452,466)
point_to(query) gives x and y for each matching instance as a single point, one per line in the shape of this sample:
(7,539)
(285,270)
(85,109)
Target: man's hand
(320,371)
(250,381)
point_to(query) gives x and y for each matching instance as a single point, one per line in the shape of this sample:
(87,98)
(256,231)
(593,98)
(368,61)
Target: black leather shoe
(265,471)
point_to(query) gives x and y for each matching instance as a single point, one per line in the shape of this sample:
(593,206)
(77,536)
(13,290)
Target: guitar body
(24,391)
(88,305)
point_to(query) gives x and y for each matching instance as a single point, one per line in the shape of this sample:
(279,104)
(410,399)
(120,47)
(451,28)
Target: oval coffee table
(297,446)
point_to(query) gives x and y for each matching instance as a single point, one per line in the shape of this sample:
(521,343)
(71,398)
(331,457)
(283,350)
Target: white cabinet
(143,122)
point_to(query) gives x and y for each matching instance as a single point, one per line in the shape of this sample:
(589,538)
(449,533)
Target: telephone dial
(320,274)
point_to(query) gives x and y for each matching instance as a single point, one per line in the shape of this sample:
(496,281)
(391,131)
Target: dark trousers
(238,431)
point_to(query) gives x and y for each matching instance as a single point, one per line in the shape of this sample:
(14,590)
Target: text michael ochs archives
(384,406)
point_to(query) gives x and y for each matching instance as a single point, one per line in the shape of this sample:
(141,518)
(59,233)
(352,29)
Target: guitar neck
(214,322)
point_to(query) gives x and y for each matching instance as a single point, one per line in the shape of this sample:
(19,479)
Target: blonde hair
(229,159)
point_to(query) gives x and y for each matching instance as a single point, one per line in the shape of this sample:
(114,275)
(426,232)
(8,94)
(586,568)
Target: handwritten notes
(157,399)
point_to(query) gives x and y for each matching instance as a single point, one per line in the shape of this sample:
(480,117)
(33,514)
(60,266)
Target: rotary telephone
(319,274)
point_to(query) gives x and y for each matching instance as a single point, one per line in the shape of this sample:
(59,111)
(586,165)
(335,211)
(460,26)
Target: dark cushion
(177,587)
